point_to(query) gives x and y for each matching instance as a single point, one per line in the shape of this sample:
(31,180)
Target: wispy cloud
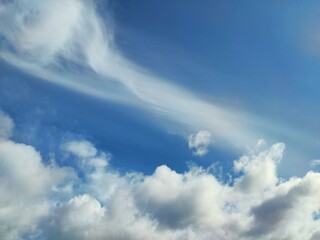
(6,125)
(315,163)
(40,39)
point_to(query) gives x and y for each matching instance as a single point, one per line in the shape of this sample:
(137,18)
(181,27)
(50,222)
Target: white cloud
(260,171)
(199,142)
(80,37)
(77,219)
(89,158)
(25,183)
(315,163)
(82,149)
(261,142)
(104,204)
(6,126)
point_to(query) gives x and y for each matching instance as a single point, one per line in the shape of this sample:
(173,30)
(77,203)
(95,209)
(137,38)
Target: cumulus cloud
(199,142)
(47,201)
(260,170)
(77,218)
(25,186)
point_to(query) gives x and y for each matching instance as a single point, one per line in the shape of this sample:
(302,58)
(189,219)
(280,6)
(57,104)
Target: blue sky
(160,89)
(262,62)
(259,57)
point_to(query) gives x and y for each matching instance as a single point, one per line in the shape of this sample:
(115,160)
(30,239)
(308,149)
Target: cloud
(274,214)
(42,41)
(47,201)
(25,184)
(90,158)
(6,126)
(315,163)
(82,149)
(260,170)
(199,142)
(76,219)
(316,236)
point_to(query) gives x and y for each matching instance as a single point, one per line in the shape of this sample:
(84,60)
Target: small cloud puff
(199,142)
(82,148)
(6,126)
(89,158)
(315,163)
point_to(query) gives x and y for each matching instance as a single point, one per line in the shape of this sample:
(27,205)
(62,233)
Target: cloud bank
(93,201)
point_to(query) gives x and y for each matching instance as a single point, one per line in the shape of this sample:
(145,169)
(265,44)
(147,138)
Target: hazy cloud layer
(46,201)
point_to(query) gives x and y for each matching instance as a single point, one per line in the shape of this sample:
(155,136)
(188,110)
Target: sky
(145,119)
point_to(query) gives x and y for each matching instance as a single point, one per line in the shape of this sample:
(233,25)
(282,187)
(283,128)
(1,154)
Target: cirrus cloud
(40,37)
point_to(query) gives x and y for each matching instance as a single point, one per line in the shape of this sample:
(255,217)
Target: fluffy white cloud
(288,212)
(25,186)
(199,142)
(259,170)
(79,218)
(45,201)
